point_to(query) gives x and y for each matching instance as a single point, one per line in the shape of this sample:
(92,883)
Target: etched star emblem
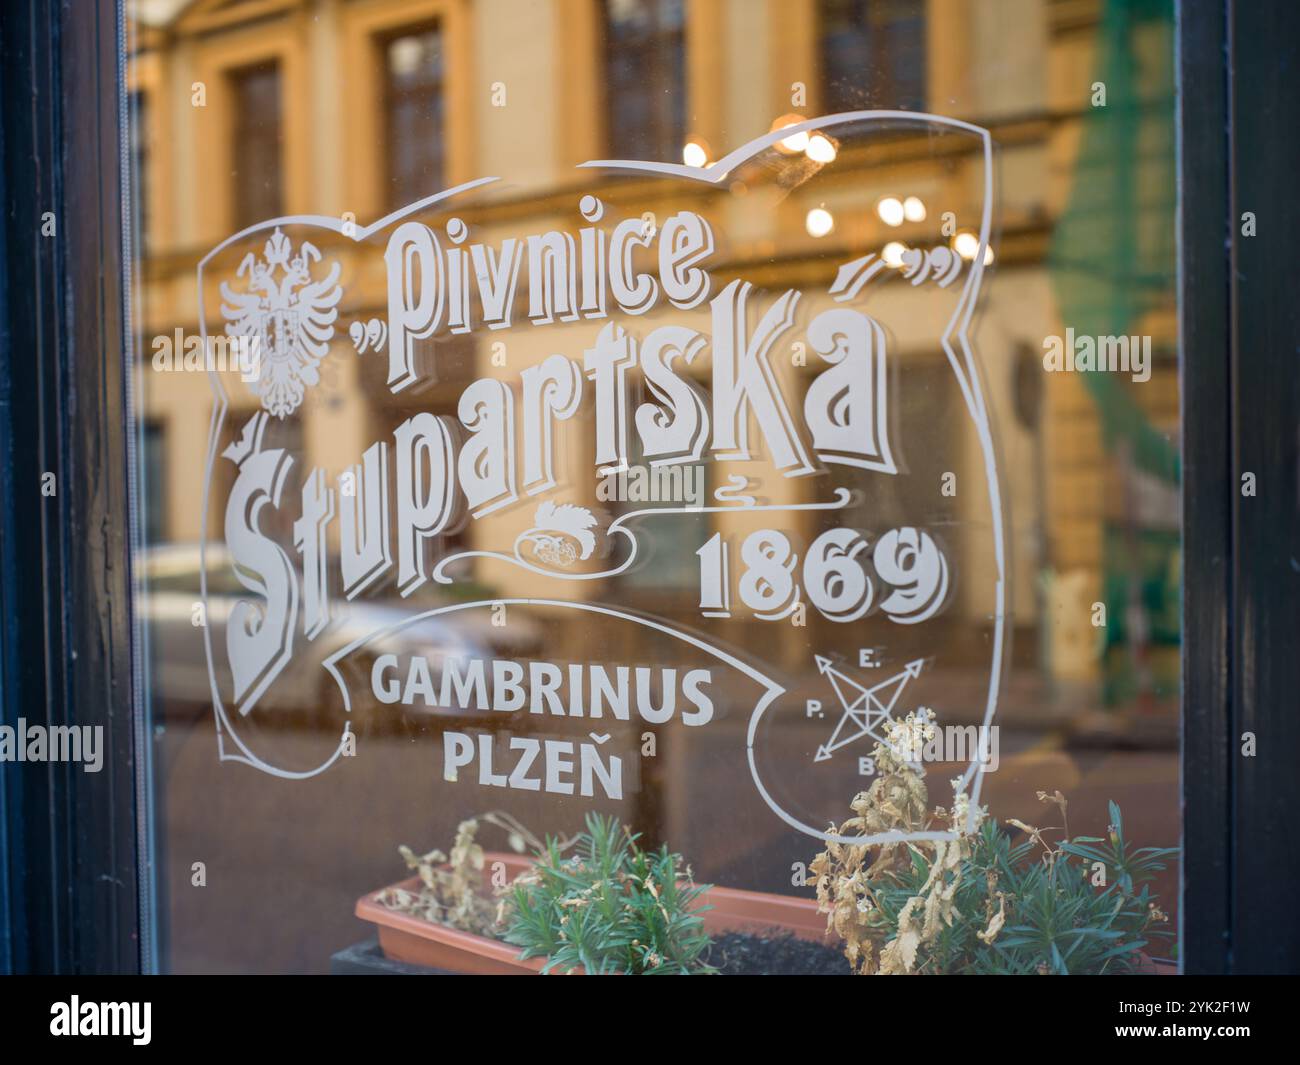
(865,711)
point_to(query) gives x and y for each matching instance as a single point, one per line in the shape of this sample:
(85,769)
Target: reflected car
(304,694)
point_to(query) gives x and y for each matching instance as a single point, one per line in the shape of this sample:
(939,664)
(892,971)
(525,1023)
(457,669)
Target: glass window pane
(683,491)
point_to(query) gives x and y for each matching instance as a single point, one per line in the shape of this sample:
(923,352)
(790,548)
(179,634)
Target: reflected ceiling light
(988,255)
(796,142)
(892,253)
(914,209)
(405,54)
(966,244)
(890,210)
(819,222)
(820,149)
(695,154)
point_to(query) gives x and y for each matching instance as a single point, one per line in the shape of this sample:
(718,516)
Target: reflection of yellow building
(308,90)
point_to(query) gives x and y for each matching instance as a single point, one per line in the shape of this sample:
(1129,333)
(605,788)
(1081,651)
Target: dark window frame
(1240,392)
(73,892)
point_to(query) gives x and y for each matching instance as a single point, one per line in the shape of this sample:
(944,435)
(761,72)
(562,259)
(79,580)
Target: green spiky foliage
(989,904)
(610,907)
(1057,921)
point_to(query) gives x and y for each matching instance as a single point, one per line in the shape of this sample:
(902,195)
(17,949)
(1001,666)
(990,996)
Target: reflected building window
(645,78)
(872,54)
(139,146)
(256,164)
(413,115)
(153,456)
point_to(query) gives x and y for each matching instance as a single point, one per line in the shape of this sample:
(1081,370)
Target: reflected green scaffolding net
(1113,259)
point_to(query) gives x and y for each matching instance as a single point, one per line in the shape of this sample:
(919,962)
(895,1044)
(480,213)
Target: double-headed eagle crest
(289,317)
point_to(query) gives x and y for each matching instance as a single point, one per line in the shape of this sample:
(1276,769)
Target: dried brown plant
(454,890)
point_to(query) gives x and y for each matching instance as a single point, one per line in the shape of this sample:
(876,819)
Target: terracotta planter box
(1150,966)
(409,939)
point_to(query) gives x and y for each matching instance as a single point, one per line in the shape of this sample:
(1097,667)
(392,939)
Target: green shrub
(611,907)
(981,902)
(1054,920)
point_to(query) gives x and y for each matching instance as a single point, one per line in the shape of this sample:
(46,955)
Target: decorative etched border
(957,347)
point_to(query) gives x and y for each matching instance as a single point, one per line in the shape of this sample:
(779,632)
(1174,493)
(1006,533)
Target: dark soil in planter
(774,954)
